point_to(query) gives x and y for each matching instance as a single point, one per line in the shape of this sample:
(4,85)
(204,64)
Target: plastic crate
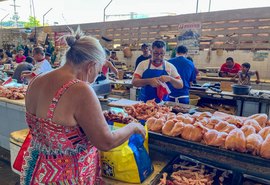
(191,162)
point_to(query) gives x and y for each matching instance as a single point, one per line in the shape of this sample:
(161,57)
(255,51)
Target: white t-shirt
(42,67)
(143,66)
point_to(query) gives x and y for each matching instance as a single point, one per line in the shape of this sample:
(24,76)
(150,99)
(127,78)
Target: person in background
(55,58)
(7,58)
(245,74)
(106,67)
(24,66)
(108,64)
(20,57)
(151,73)
(186,70)
(1,54)
(66,120)
(41,64)
(146,54)
(197,72)
(48,57)
(230,68)
(113,56)
(14,54)
(26,51)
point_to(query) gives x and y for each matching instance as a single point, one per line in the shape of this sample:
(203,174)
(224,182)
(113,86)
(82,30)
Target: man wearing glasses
(153,72)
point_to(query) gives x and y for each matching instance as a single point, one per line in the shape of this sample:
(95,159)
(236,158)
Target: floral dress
(59,154)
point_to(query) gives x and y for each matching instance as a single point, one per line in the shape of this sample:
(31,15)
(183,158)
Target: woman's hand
(138,129)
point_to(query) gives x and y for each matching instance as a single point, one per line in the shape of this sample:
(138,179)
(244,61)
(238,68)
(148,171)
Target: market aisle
(7,176)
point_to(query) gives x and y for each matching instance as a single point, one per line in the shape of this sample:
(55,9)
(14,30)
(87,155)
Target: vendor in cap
(146,54)
(151,73)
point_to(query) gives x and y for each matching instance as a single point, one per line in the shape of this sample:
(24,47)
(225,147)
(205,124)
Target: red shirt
(235,69)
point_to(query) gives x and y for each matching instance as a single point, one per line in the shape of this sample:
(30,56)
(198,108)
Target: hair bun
(70,40)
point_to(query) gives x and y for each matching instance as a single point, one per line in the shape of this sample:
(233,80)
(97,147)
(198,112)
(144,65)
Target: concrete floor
(7,176)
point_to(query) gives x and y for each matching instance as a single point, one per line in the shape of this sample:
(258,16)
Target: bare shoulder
(82,91)
(34,84)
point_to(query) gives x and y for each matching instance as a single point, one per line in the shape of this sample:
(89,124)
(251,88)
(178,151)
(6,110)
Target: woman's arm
(112,68)
(89,116)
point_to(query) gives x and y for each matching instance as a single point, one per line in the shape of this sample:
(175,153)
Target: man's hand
(165,78)
(231,75)
(257,81)
(154,82)
(223,74)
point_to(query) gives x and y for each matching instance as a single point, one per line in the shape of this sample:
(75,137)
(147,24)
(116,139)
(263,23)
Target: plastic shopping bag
(19,159)
(128,162)
(163,90)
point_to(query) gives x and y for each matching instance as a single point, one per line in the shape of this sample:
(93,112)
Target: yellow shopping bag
(128,162)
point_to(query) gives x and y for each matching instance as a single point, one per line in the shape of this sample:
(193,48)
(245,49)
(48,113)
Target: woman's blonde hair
(83,48)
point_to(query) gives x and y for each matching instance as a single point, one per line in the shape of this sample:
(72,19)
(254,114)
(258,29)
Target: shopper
(108,64)
(66,120)
(186,70)
(26,51)
(1,54)
(146,54)
(151,73)
(106,67)
(245,74)
(48,57)
(230,68)
(20,57)
(7,58)
(24,66)
(114,56)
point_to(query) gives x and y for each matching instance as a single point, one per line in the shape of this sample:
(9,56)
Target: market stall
(166,135)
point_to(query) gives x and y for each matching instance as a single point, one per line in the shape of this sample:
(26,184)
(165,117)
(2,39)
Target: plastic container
(169,169)
(193,99)
(241,89)
(15,142)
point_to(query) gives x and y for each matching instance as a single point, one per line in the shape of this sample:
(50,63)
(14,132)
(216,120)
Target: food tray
(226,159)
(191,162)
(183,108)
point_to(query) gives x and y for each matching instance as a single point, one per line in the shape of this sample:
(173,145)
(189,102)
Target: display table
(219,79)
(257,102)
(12,118)
(126,82)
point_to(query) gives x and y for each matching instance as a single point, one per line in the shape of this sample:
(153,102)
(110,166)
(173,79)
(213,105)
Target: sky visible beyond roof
(86,11)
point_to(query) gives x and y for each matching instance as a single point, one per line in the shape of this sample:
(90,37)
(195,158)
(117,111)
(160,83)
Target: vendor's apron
(180,99)
(148,92)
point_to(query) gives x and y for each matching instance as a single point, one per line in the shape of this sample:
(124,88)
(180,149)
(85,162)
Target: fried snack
(143,111)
